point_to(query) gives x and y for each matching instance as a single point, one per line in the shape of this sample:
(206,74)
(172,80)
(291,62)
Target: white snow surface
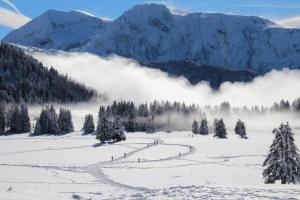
(178,167)
(152,32)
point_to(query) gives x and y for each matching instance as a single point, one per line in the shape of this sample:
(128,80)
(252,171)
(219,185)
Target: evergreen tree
(195,127)
(240,129)
(131,122)
(24,119)
(43,123)
(65,123)
(47,123)
(13,119)
(118,132)
(203,130)
(53,121)
(168,125)
(2,118)
(104,133)
(296,105)
(37,128)
(101,114)
(220,129)
(283,161)
(150,126)
(215,124)
(88,126)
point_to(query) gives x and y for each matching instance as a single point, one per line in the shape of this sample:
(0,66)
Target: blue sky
(272,9)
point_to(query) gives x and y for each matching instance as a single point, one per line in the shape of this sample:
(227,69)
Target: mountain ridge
(196,73)
(152,33)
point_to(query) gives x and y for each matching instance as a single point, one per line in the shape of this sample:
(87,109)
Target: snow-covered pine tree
(169,127)
(203,130)
(24,119)
(220,129)
(101,114)
(43,122)
(70,126)
(195,127)
(214,125)
(88,126)
(37,127)
(118,132)
(65,123)
(104,133)
(53,121)
(2,118)
(13,119)
(47,123)
(131,125)
(283,161)
(150,125)
(240,129)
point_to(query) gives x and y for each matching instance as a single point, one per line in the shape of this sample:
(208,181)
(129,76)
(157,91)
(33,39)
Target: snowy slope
(153,33)
(57,30)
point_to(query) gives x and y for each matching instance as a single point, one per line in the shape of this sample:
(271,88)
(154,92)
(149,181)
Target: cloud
(12,19)
(13,6)
(124,79)
(293,22)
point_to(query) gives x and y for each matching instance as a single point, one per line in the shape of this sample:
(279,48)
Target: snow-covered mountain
(57,30)
(153,33)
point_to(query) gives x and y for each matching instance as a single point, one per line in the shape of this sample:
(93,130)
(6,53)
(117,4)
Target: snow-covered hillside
(77,167)
(57,30)
(153,33)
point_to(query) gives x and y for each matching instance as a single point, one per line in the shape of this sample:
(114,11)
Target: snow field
(77,167)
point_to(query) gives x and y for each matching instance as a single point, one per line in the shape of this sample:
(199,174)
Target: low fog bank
(124,79)
(255,122)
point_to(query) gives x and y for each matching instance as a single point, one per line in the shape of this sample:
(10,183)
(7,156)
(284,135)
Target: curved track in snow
(97,172)
(96,169)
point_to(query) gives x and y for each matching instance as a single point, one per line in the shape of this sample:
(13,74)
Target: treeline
(153,117)
(23,78)
(175,116)
(281,106)
(145,117)
(287,106)
(14,118)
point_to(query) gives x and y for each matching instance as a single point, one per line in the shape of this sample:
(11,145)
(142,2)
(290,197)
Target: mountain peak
(57,29)
(147,10)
